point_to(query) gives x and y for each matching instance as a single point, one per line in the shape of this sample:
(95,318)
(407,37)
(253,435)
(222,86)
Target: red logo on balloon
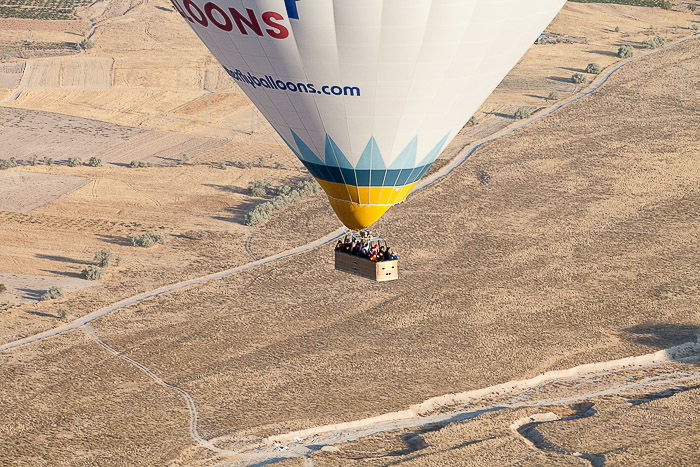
(246,22)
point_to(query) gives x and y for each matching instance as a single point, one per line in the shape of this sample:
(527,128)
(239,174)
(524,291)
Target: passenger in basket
(339,245)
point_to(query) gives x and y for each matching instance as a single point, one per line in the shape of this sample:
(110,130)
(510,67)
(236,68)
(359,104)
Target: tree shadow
(41,313)
(164,8)
(31,294)
(559,79)
(64,273)
(500,114)
(662,336)
(237,212)
(227,188)
(575,70)
(607,53)
(62,259)
(114,240)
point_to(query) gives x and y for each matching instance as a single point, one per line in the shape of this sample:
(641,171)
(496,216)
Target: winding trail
(437,176)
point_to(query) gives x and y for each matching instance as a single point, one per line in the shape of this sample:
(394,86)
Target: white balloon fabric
(367,93)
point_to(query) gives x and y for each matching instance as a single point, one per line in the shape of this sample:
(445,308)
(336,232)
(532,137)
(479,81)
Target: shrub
(654,42)
(6,164)
(74,161)
(94,162)
(667,5)
(593,68)
(48,161)
(261,162)
(279,166)
(61,313)
(522,113)
(259,188)
(284,195)
(626,51)
(578,78)
(139,164)
(103,257)
(617,28)
(483,177)
(2,288)
(147,240)
(695,26)
(52,294)
(691,6)
(553,96)
(32,161)
(472,121)
(186,157)
(86,44)
(91,273)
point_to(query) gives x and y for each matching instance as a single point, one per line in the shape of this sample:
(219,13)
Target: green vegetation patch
(40,9)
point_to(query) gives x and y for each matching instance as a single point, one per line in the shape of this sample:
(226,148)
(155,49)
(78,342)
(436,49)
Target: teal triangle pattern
(407,158)
(307,154)
(435,152)
(333,153)
(371,158)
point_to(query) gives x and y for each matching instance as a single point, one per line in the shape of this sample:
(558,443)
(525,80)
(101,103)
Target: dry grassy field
(580,249)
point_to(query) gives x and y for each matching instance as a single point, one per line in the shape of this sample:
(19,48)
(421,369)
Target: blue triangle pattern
(307,154)
(333,153)
(407,158)
(435,152)
(371,158)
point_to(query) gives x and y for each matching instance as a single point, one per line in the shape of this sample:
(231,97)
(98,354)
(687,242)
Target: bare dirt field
(22,288)
(579,249)
(18,190)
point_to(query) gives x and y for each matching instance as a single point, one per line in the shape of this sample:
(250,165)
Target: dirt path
(437,176)
(641,374)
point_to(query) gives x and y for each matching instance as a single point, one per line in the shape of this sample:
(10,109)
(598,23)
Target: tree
(91,273)
(593,68)
(522,113)
(2,288)
(626,51)
(578,78)
(52,294)
(103,257)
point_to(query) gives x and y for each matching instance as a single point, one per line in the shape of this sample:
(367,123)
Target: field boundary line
(437,176)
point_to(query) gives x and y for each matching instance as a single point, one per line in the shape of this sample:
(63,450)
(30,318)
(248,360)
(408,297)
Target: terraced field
(41,9)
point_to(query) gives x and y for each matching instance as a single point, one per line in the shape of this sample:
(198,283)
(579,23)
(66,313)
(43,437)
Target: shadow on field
(32,294)
(114,239)
(663,336)
(227,188)
(607,53)
(62,259)
(238,212)
(40,313)
(64,273)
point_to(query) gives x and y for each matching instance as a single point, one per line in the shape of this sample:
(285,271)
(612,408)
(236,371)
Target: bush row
(283,196)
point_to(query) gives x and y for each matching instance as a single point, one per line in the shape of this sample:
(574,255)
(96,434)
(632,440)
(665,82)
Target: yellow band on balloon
(377,195)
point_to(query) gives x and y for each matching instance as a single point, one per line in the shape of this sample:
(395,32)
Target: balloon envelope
(367,93)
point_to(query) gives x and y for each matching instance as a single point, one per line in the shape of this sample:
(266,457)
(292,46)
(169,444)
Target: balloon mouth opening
(357,216)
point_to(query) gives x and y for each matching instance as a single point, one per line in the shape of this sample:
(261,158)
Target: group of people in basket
(365,249)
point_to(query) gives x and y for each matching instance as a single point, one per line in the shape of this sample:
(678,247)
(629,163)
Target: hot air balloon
(367,93)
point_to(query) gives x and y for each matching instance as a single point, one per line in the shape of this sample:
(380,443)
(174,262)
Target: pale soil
(23,288)
(585,234)
(18,190)
(665,431)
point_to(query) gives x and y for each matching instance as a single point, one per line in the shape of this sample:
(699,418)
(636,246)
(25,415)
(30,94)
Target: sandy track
(442,173)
